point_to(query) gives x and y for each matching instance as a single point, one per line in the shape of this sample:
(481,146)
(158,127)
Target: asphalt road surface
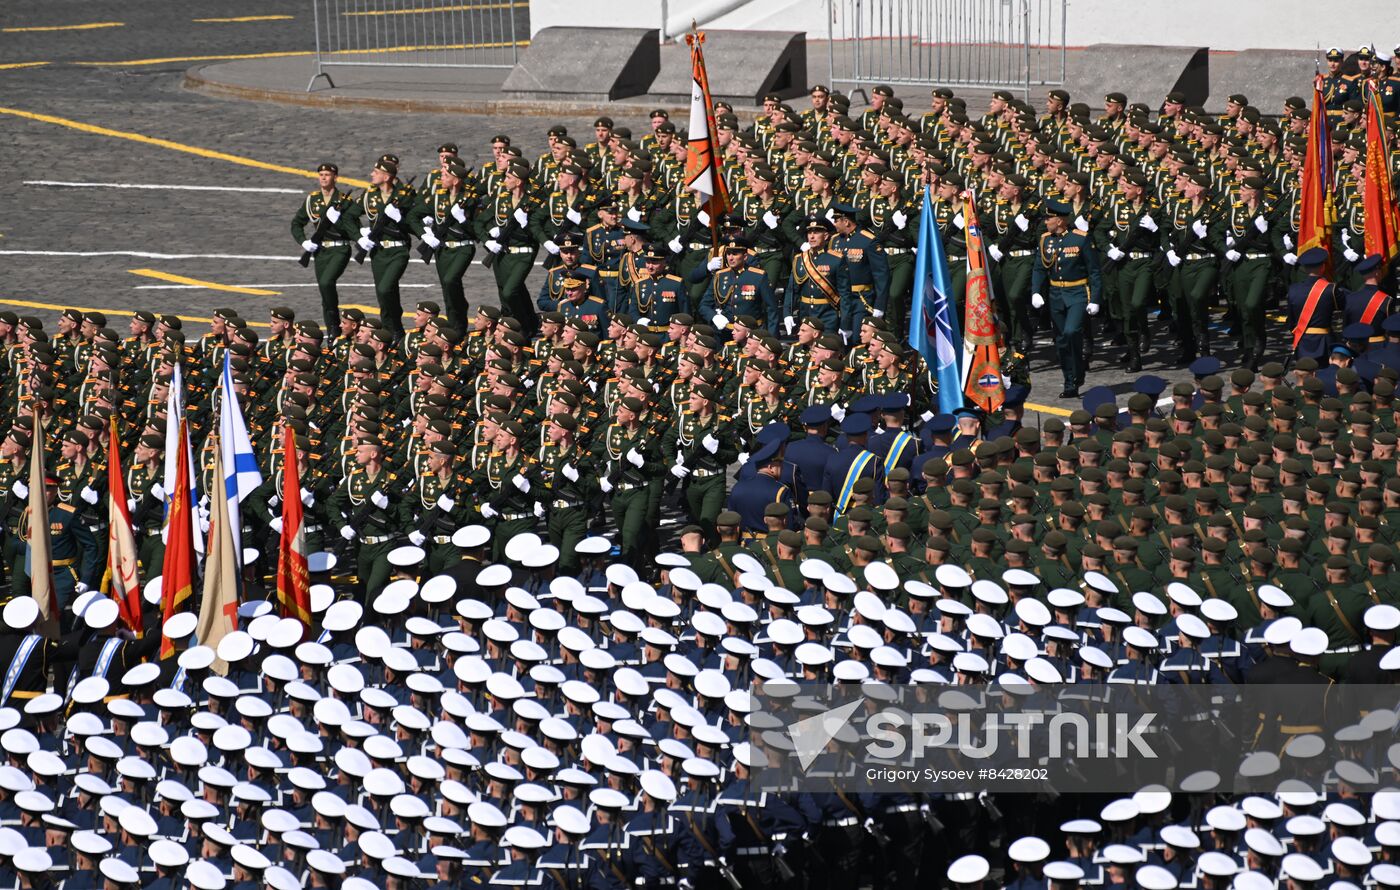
(128,191)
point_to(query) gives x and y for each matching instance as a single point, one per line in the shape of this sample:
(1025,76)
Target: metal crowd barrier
(418,34)
(995,44)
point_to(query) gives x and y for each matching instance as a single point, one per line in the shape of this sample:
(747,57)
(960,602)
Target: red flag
(177,571)
(1315,213)
(1382,217)
(982,384)
(122,582)
(293,575)
(702,174)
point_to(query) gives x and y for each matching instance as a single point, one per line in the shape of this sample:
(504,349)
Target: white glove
(1148,223)
(1290,259)
(310,246)
(539,510)
(488,512)
(1037,301)
(20,489)
(493,246)
(635,215)
(365,243)
(1346,237)
(830,214)
(1173,258)
(1092,309)
(1288,242)
(379,500)
(743,457)
(446,503)
(1080,222)
(679,471)
(521,483)
(838,412)
(900,219)
(521,216)
(1115,254)
(347,533)
(574,216)
(204,525)
(634,457)
(806,246)
(1351,255)
(364,230)
(790,323)
(158,491)
(430,239)
(1229,240)
(1232,255)
(551,247)
(307,497)
(458,213)
(88,494)
(720,321)
(926,416)
(495,232)
(393,213)
(710,443)
(274,501)
(995,252)
(1261,224)
(276,524)
(675,245)
(1022,223)
(714,264)
(333,215)
(130,505)
(417,538)
(80,587)
(1199,228)
(605,485)
(704,218)
(769,219)
(878,313)
(959,221)
(569,472)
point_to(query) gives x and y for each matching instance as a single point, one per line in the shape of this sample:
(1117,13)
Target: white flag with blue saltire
(174,410)
(240,464)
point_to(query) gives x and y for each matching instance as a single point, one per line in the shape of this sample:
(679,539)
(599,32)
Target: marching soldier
(328,242)
(819,285)
(1067,266)
(445,220)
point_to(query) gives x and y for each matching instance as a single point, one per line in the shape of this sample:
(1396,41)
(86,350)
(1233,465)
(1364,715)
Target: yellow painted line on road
(90,26)
(13,65)
(167,60)
(200,282)
(460,7)
(169,144)
(1049,409)
(59,307)
(244,18)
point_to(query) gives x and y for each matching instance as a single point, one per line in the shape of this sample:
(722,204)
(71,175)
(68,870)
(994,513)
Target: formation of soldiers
(521,672)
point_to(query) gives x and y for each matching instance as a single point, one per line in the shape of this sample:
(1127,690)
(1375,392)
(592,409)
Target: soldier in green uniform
(328,242)
(628,456)
(442,504)
(1129,229)
(387,207)
(570,481)
(698,449)
(445,220)
(370,509)
(1067,266)
(504,228)
(1249,251)
(1193,254)
(1011,239)
(506,482)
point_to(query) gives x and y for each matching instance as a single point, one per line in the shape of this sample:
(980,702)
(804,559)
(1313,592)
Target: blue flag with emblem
(933,321)
(241,474)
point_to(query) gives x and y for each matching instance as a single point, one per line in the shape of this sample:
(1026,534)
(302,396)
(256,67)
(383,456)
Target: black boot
(1203,341)
(1134,359)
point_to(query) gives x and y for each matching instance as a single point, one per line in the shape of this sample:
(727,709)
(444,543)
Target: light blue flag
(933,323)
(241,474)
